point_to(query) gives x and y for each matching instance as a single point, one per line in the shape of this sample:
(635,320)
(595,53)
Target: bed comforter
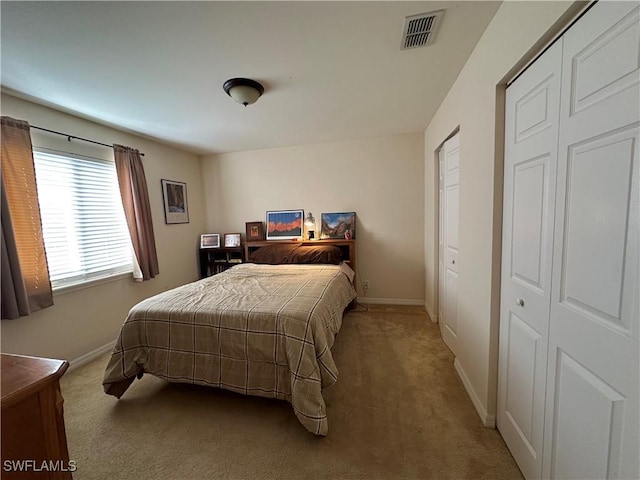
(260,330)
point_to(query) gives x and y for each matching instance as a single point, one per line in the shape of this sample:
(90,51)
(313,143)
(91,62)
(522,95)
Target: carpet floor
(398,410)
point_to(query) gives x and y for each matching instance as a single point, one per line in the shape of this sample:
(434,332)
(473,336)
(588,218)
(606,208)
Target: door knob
(453,262)
(520,302)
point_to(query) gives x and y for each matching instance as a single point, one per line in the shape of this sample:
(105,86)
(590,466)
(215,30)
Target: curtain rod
(69,137)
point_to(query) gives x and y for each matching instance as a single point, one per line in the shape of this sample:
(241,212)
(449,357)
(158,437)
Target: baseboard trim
(391,301)
(488,421)
(93,354)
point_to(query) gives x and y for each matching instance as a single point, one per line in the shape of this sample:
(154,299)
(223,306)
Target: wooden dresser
(34,443)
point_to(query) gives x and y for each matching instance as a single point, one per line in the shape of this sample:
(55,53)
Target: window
(83,223)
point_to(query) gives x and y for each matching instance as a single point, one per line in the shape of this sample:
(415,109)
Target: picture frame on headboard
(210,240)
(255,231)
(174,195)
(285,224)
(338,225)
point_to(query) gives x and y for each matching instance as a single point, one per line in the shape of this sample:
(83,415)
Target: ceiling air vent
(420,30)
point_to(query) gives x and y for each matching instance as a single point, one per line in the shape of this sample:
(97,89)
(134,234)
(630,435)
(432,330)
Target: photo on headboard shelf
(255,231)
(338,225)
(285,224)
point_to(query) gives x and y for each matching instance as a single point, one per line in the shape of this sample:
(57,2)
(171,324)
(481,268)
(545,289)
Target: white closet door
(531,141)
(592,427)
(441,239)
(449,327)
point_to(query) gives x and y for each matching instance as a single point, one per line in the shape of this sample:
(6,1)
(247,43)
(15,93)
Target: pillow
(295,253)
(315,254)
(272,254)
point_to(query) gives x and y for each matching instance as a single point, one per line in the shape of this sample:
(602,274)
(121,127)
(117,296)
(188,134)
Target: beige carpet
(398,410)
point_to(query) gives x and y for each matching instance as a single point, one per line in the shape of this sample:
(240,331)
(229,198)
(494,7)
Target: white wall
(83,320)
(381,179)
(475,104)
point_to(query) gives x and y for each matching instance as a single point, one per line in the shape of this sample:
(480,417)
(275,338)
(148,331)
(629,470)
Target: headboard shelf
(347,247)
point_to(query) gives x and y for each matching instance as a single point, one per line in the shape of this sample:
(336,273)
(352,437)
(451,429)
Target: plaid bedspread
(254,329)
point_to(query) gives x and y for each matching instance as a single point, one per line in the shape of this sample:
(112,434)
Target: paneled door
(569,358)
(441,270)
(593,385)
(531,142)
(450,188)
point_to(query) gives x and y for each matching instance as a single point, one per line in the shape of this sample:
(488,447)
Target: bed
(263,329)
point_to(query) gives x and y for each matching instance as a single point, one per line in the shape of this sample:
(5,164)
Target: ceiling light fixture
(243,90)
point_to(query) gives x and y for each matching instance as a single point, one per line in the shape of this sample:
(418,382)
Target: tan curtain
(25,274)
(135,199)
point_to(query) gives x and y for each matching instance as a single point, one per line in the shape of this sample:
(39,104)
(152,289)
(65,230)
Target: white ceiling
(331,70)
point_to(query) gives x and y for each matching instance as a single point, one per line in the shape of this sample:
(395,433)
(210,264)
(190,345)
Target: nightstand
(217,260)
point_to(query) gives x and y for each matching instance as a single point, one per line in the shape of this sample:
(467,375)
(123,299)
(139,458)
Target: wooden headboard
(347,247)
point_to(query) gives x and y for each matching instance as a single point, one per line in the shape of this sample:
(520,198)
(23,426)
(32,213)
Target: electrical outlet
(365,284)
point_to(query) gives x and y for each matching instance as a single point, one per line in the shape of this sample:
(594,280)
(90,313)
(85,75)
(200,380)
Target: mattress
(264,330)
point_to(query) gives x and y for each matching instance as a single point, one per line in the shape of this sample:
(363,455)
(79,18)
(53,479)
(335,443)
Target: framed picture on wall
(338,225)
(174,195)
(255,231)
(285,225)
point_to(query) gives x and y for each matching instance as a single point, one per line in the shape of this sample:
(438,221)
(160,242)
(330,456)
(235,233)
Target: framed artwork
(285,224)
(255,231)
(174,195)
(232,240)
(210,240)
(338,225)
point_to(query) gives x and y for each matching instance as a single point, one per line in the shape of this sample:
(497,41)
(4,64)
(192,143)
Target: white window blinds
(83,223)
